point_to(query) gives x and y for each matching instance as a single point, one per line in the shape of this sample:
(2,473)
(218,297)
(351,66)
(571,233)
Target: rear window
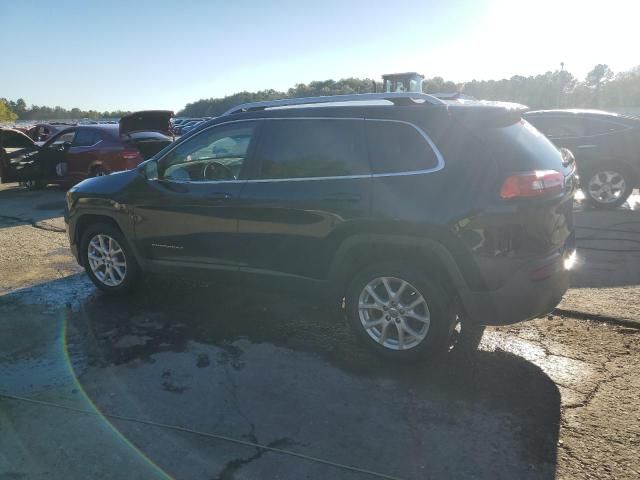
(396,147)
(521,147)
(301,148)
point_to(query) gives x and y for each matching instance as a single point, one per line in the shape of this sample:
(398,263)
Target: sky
(157,54)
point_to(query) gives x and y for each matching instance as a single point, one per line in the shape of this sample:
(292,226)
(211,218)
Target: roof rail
(409,98)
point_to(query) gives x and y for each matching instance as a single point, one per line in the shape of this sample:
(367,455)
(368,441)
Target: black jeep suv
(411,213)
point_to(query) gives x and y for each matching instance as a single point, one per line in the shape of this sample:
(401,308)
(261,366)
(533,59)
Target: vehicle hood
(104,185)
(10,138)
(148,120)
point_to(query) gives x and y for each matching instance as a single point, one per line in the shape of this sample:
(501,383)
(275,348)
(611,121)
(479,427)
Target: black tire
(466,336)
(132,272)
(440,304)
(34,184)
(619,170)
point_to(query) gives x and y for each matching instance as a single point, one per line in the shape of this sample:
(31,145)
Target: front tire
(108,259)
(399,312)
(608,186)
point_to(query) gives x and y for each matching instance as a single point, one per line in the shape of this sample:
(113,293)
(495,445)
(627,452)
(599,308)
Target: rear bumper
(522,298)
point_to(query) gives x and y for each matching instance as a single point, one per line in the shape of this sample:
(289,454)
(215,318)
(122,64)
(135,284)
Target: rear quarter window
(396,147)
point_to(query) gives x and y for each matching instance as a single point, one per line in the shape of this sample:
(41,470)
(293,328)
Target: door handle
(219,195)
(343,197)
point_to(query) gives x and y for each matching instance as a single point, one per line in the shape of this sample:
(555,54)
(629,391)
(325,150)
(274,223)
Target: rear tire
(108,259)
(466,336)
(608,186)
(33,184)
(399,312)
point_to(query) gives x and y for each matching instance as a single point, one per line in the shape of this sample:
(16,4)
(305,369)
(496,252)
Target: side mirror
(150,170)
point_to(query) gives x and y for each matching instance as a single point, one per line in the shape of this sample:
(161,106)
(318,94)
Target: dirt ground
(197,381)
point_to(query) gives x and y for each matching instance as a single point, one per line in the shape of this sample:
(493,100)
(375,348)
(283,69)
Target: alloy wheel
(606,186)
(394,313)
(107,260)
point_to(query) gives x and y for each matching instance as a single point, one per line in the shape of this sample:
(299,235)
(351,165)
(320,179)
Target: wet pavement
(187,380)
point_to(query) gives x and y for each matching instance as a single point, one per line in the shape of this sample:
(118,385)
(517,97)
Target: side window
(398,147)
(599,127)
(218,153)
(564,127)
(86,138)
(59,140)
(307,148)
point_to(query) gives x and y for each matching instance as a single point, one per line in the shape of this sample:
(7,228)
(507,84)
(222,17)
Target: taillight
(130,154)
(539,183)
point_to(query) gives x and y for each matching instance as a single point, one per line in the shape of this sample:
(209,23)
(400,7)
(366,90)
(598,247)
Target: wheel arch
(587,167)
(359,250)
(85,221)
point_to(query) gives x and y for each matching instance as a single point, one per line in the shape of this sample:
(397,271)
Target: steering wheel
(206,171)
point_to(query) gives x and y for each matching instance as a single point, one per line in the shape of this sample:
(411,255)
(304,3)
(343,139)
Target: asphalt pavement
(188,380)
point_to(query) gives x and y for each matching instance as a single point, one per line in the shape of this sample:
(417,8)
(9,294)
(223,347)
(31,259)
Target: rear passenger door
(311,183)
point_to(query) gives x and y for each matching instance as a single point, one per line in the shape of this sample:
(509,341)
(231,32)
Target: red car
(82,151)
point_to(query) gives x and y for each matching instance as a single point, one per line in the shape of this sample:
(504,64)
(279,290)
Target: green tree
(599,75)
(6,114)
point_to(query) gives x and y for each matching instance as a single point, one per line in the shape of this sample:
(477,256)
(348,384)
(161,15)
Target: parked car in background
(188,125)
(606,147)
(417,215)
(179,121)
(82,151)
(15,146)
(41,132)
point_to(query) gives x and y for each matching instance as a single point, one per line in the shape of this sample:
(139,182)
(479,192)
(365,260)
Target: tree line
(553,89)
(17,110)
(601,88)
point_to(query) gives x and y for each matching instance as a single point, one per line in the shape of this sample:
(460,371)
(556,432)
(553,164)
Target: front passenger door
(188,215)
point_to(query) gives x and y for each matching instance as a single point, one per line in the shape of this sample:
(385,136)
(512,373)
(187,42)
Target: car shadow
(264,367)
